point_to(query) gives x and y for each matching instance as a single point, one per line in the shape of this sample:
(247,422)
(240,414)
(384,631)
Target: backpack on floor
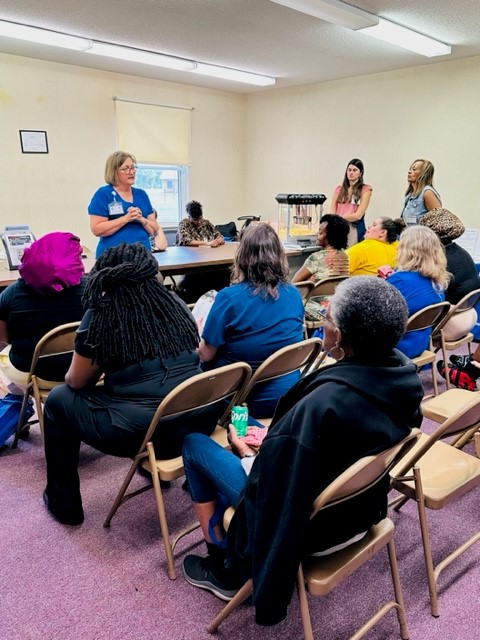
(10,407)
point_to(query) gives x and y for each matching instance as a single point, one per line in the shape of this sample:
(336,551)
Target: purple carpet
(91,583)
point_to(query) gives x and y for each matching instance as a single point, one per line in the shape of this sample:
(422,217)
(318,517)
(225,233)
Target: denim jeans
(211,470)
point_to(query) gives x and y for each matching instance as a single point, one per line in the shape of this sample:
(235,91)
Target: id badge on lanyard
(115,208)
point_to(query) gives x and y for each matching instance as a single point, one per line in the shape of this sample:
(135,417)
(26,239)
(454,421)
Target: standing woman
(351,199)
(119,212)
(420,195)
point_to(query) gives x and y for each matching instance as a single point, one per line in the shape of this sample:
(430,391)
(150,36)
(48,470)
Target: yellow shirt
(369,254)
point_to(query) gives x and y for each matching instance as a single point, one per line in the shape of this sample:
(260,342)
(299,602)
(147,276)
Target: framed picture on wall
(33,141)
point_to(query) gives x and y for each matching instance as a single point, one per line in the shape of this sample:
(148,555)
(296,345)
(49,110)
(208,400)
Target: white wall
(245,149)
(74,105)
(299,140)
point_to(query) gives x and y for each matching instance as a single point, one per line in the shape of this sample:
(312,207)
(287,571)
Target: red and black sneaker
(458,377)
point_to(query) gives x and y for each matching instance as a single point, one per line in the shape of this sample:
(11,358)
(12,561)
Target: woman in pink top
(351,199)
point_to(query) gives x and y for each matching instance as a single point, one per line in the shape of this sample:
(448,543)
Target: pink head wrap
(53,262)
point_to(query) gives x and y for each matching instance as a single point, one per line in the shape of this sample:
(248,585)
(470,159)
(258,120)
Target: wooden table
(173,261)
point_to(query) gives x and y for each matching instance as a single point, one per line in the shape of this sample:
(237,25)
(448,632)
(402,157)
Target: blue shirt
(108,203)
(249,328)
(415,208)
(419,293)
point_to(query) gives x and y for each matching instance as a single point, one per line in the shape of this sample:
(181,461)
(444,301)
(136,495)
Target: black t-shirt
(465,277)
(131,394)
(29,316)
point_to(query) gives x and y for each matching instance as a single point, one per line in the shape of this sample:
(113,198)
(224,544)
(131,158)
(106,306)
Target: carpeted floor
(91,583)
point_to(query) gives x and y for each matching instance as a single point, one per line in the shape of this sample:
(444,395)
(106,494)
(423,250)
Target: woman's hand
(238,445)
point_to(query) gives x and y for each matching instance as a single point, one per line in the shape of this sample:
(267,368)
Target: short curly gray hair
(370,313)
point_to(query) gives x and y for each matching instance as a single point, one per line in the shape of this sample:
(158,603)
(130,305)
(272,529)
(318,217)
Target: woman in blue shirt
(121,213)
(421,277)
(256,316)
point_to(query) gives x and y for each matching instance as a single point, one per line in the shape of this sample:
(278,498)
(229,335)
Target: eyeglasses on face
(130,169)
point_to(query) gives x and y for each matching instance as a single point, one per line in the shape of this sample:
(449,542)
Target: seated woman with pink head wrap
(47,294)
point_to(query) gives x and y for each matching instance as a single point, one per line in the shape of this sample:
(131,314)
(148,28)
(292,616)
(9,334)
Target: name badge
(115,209)
(411,218)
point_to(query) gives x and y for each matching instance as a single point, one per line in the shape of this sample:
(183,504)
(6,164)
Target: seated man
(363,404)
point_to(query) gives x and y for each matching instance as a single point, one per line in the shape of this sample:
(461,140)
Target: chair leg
(237,600)
(434,379)
(162,517)
(121,493)
(304,611)
(476,439)
(21,417)
(402,620)
(427,551)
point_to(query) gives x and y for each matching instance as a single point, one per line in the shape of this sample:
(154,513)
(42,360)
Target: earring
(341,356)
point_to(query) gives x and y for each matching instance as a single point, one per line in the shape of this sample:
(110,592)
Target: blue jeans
(211,470)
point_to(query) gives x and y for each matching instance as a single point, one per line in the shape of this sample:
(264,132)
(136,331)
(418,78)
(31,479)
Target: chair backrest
(300,355)
(305,288)
(428,317)
(463,421)
(327,286)
(56,342)
(467,302)
(202,390)
(364,474)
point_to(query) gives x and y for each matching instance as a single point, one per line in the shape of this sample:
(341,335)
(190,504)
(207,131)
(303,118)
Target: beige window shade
(154,133)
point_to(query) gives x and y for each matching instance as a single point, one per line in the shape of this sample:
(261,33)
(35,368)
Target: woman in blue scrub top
(258,314)
(121,213)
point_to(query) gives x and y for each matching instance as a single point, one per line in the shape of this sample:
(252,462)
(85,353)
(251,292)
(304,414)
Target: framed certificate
(33,141)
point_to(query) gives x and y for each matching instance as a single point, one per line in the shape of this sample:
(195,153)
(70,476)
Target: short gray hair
(371,314)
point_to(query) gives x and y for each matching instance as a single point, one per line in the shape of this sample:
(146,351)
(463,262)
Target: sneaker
(459,361)
(198,571)
(458,377)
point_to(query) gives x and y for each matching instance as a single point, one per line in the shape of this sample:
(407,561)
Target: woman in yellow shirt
(377,249)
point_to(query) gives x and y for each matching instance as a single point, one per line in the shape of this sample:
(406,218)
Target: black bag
(228,230)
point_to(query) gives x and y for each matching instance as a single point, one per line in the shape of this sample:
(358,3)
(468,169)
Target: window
(167,188)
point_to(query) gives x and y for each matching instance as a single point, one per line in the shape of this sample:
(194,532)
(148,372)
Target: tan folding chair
(436,474)
(446,405)
(438,334)
(58,341)
(202,390)
(299,356)
(323,287)
(429,317)
(305,288)
(320,575)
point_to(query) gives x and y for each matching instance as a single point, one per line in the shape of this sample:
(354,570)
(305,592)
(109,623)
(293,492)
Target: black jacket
(321,426)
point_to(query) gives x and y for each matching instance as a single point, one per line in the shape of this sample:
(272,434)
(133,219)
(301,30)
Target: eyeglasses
(130,169)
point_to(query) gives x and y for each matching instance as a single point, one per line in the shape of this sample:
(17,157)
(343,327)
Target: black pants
(72,417)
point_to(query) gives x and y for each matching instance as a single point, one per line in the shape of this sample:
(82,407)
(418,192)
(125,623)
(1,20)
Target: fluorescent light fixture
(56,39)
(43,36)
(332,11)
(406,38)
(138,55)
(345,15)
(233,74)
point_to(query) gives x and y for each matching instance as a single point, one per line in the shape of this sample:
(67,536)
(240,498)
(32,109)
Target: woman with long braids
(143,340)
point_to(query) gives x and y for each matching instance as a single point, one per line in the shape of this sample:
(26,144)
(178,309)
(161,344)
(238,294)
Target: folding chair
(438,474)
(446,405)
(427,318)
(439,340)
(58,341)
(202,390)
(294,357)
(305,288)
(320,575)
(323,287)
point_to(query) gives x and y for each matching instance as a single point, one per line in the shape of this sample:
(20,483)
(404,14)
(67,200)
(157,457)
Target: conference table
(182,260)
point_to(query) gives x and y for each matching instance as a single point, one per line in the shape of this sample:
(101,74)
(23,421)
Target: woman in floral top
(194,231)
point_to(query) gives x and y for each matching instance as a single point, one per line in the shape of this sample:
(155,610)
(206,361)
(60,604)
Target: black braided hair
(134,317)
